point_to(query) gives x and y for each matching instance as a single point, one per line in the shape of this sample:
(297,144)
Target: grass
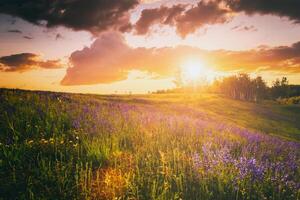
(268,117)
(71,146)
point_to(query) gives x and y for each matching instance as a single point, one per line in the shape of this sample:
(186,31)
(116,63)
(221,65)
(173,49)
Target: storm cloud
(187,19)
(97,16)
(286,8)
(94,16)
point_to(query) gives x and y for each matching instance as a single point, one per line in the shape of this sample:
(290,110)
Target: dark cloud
(244,28)
(202,14)
(186,19)
(28,37)
(14,31)
(282,8)
(101,15)
(26,61)
(109,59)
(58,36)
(12,21)
(162,15)
(93,15)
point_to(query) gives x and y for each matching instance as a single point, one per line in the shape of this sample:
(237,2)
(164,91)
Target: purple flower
(250,168)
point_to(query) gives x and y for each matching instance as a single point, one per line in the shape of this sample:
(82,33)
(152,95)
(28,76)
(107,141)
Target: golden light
(195,72)
(192,71)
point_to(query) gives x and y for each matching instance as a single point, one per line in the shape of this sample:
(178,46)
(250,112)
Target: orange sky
(145,44)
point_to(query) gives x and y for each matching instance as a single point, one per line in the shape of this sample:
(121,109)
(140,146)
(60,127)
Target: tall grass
(63,146)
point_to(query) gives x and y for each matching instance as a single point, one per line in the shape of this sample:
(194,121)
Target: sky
(139,46)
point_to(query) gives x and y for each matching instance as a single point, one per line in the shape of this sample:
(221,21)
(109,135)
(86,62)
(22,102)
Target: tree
(261,88)
(242,87)
(280,88)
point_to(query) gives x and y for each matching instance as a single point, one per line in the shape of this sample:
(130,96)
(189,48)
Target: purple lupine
(250,168)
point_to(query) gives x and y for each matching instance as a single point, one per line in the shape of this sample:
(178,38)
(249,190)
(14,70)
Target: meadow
(156,146)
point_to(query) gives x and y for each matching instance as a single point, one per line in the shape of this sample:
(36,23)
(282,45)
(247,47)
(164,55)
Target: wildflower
(249,167)
(196,160)
(30,142)
(77,138)
(44,141)
(61,142)
(51,140)
(76,124)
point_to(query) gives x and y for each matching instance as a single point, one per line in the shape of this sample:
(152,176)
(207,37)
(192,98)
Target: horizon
(143,46)
(202,90)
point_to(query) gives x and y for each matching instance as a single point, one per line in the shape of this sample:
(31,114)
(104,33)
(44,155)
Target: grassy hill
(163,146)
(268,116)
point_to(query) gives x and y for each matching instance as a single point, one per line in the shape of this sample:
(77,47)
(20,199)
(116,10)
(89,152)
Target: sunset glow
(192,70)
(67,53)
(150,99)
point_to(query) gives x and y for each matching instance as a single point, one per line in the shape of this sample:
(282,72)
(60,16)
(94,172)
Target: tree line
(243,87)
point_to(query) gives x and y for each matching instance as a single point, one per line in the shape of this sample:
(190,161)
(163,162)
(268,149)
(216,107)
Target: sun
(192,71)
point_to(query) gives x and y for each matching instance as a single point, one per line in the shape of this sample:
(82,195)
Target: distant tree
(280,88)
(284,81)
(245,87)
(228,87)
(294,90)
(261,89)
(242,87)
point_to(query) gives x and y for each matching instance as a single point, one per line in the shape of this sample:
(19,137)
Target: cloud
(109,59)
(26,61)
(187,19)
(244,28)
(14,31)
(98,16)
(282,58)
(93,15)
(286,8)
(58,36)
(28,37)
(163,15)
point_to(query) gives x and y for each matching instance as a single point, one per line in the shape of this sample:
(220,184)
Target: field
(163,146)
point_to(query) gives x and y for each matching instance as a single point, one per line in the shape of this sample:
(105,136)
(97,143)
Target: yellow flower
(51,140)
(30,142)
(44,141)
(61,142)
